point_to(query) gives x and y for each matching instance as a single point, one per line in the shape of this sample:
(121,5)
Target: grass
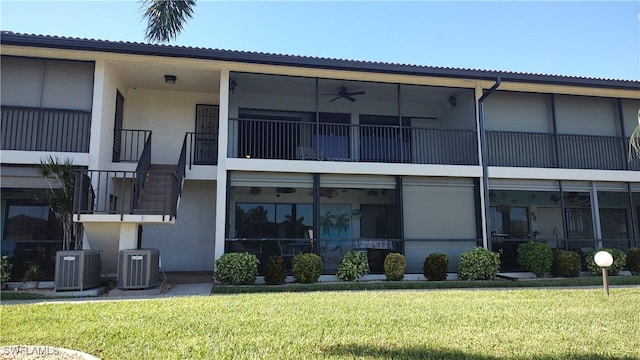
(21,295)
(421,285)
(447,324)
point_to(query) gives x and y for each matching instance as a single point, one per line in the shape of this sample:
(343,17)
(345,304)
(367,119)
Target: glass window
(30,221)
(578,214)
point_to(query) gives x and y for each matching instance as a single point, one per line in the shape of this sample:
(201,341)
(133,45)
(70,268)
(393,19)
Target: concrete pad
(190,289)
(84,293)
(117,292)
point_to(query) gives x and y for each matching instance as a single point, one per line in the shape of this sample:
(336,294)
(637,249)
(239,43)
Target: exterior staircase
(157,195)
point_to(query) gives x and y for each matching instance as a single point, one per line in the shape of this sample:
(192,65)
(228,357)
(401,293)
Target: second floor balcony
(297,140)
(543,150)
(41,129)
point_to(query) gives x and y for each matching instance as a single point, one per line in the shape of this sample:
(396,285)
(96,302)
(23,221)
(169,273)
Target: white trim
(330,167)
(33,157)
(126,218)
(563,174)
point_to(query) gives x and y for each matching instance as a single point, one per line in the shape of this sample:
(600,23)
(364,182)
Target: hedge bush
(566,263)
(353,266)
(237,269)
(306,268)
(435,267)
(5,271)
(633,261)
(478,264)
(536,257)
(275,271)
(395,264)
(619,261)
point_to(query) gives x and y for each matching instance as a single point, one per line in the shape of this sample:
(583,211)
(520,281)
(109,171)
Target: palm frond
(166,18)
(634,142)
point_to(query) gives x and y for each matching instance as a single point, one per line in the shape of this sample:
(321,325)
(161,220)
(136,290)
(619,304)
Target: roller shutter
(513,111)
(438,217)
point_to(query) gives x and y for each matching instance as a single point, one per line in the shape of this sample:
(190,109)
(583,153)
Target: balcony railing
(39,129)
(295,140)
(116,192)
(128,144)
(520,149)
(201,148)
(592,152)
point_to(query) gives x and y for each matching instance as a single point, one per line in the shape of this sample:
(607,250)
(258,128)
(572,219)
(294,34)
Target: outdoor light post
(603,259)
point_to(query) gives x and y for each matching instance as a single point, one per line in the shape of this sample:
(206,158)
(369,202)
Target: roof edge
(68,43)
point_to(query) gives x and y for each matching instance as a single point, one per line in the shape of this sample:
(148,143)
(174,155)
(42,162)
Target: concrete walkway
(98,294)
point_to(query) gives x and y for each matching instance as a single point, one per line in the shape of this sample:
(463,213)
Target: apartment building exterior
(198,152)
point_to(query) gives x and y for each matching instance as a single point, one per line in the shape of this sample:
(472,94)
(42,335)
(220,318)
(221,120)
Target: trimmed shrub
(352,266)
(536,257)
(566,263)
(435,267)
(478,264)
(395,265)
(306,268)
(237,269)
(5,271)
(619,261)
(275,271)
(633,261)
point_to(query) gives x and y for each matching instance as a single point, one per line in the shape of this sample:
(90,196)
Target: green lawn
(401,324)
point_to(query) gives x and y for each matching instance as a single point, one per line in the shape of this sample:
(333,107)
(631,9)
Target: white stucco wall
(168,114)
(188,244)
(105,237)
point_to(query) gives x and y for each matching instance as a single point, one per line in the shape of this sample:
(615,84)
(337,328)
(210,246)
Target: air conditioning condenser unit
(138,268)
(77,269)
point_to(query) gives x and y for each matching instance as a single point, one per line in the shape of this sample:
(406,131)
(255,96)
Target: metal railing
(520,149)
(128,144)
(142,170)
(508,248)
(41,129)
(201,148)
(114,192)
(591,152)
(573,151)
(295,140)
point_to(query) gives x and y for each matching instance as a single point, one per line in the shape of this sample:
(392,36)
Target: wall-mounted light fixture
(453,101)
(232,86)
(170,79)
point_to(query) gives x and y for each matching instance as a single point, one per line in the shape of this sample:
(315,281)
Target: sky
(576,38)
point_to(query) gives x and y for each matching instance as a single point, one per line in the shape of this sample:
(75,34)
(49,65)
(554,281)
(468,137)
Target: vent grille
(138,269)
(77,269)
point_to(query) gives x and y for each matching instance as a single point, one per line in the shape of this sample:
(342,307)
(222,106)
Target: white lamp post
(603,259)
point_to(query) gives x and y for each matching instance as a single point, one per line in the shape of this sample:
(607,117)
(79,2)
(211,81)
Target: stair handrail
(179,176)
(144,164)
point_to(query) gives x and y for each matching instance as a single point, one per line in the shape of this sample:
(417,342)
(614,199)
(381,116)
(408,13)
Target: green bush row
(478,264)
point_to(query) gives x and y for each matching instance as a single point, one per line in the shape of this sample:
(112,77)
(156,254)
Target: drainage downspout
(483,148)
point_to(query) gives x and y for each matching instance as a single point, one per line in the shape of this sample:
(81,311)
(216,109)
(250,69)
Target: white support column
(485,241)
(128,236)
(595,211)
(221,180)
(96,115)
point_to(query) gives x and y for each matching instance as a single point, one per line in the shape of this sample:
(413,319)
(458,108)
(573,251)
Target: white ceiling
(151,76)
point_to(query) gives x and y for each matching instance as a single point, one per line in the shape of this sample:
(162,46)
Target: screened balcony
(527,149)
(296,140)
(303,118)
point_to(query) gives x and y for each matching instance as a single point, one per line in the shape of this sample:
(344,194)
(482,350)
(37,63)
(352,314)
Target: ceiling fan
(344,93)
